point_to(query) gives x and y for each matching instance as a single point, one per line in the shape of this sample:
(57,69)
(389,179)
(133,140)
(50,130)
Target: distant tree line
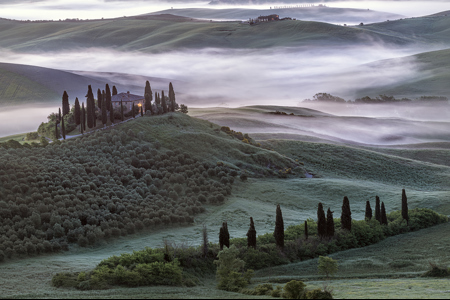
(324,97)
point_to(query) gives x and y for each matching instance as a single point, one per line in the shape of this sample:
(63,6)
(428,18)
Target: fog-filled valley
(210,120)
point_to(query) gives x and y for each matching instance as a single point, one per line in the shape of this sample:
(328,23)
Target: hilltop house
(268,18)
(127,100)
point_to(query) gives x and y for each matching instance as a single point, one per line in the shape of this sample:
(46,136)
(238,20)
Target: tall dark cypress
(163,102)
(346,216)
(224,236)
(306,230)
(377,209)
(226,241)
(133,111)
(121,110)
(148,95)
(111,112)
(251,235)
(83,118)
(56,132)
(157,100)
(405,207)
(99,98)
(63,129)
(383,215)
(279,228)
(90,107)
(114,90)
(221,237)
(330,223)
(104,113)
(142,111)
(171,97)
(107,96)
(368,211)
(59,116)
(77,112)
(321,221)
(65,104)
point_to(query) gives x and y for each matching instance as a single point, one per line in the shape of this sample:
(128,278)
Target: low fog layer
(20,120)
(233,78)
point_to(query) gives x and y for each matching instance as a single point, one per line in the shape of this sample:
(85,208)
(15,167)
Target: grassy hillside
(316,13)
(431,78)
(151,34)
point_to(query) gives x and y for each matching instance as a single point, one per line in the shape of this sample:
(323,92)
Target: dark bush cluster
(98,187)
(242,137)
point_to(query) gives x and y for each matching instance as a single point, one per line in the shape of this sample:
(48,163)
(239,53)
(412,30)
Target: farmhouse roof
(125,97)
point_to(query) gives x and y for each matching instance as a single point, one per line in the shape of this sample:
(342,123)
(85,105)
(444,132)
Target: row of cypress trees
(160,99)
(325,225)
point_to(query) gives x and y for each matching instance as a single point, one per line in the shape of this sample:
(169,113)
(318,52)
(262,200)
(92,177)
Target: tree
(59,116)
(321,222)
(114,90)
(327,266)
(148,103)
(90,108)
(99,98)
(224,236)
(279,228)
(77,112)
(63,129)
(107,97)
(157,99)
(294,289)
(183,108)
(65,103)
(377,209)
(205,241)
(346,216)
(330,223)
(104,113)
(83,118)
(163,102)
(368,216)
(405,207)
(133,112)
(56,132)
(383,215)
(251,235)
(171,97)
(230,275)
(142,111)
(306,230)
(111,112)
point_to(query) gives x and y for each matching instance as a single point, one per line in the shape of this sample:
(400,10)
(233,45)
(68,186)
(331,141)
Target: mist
(232,78)
(23,119)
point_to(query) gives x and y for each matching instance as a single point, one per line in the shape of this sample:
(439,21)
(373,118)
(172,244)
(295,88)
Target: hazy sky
(95,9)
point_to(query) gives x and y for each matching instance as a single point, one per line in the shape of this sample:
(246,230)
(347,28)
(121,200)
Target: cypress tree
(104,113)
(346,216)
(114,91)
(99,99)
(157,100)
(111,112)
(142,111)
(224,236)
(226,241)
(377,209)
(279,228)
(251,235)
(163,102)
(321,221)
(107,97)
(405,207)
(65,103)
(306,230)
(77,112)
(59,116)
(221,237)
(368,211)
(171,97)
(90,108)
(56,132)
(121,110)
(133,111)
(83,118)
(330,223)
(383,215)
(63,129)
(148,103)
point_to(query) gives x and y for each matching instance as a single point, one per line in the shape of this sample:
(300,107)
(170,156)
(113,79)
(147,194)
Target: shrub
(437,271)
(317,294)
(294,289)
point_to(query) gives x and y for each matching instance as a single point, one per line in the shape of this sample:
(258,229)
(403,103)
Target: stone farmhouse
(127,100)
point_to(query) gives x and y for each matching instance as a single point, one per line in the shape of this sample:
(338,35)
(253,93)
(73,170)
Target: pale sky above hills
(96,9)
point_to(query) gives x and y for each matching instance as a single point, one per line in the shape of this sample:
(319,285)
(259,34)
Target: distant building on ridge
(268,18)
